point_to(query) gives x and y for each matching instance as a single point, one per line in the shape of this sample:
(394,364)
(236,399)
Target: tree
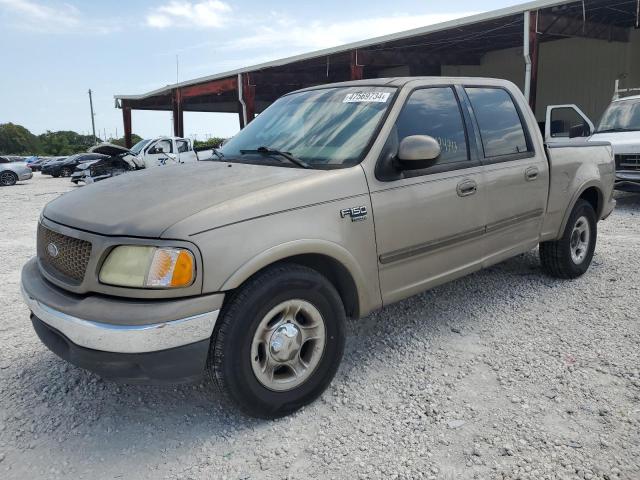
(65,142)
(213,142)
(15,139)
(120,141)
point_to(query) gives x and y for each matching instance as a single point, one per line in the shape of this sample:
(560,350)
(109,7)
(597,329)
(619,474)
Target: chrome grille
(60,254)
(628,162)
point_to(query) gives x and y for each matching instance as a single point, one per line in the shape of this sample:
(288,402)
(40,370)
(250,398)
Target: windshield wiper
(218,154)
(273,151)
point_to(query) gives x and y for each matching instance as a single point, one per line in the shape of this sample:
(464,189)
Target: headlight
(148,267)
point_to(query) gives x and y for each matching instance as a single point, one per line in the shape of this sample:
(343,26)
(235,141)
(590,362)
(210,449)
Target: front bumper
(627,181)
(135,341)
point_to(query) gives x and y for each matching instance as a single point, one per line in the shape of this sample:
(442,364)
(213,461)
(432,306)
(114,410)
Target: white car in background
(619,126)
(12,172)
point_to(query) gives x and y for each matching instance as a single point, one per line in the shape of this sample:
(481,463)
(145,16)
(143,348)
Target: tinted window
(500,126)
(435,112)
(4,160)
(563,119)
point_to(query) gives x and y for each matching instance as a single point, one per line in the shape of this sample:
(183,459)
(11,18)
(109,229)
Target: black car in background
(66,166)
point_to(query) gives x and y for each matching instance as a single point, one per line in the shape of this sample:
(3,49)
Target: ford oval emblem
(52,250)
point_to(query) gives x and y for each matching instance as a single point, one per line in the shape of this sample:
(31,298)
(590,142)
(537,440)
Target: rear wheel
(571,255)
(8,178)
(279,341)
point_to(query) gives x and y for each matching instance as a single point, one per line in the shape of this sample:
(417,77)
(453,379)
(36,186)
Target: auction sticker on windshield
(358,97)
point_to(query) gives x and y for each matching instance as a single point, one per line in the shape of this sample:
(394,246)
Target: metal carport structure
(600,39)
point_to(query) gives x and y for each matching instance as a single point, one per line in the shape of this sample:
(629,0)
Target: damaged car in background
(144,154)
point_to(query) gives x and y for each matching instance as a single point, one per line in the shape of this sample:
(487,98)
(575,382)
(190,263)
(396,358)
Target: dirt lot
(504,374)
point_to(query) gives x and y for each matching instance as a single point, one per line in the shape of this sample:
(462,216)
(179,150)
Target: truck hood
(180,200)
(110,149)
(622,142)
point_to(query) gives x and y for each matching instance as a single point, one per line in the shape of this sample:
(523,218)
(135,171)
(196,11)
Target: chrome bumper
(125,338)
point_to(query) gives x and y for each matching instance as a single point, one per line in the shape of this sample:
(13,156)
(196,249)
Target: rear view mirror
(418,151)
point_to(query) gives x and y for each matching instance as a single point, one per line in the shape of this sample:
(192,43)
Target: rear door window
(500,125)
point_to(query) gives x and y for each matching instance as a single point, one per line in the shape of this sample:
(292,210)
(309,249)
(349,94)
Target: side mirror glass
(418,151)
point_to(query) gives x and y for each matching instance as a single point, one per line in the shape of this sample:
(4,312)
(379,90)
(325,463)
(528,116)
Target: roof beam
(213,87)
(396,57)
(549,24)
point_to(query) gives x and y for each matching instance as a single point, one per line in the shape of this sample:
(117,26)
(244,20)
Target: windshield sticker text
(360,97)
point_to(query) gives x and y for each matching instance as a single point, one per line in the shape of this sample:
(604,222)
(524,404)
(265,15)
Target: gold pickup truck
(335,201)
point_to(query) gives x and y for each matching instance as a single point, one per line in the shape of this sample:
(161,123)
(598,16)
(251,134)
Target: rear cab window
(502,132)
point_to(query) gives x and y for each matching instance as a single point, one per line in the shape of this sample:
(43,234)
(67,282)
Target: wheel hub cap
(579,242)
(285,342)
(288,345)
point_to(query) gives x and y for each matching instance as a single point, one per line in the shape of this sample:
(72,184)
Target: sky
(54,51)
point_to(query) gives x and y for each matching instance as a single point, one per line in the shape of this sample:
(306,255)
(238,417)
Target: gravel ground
(505,374)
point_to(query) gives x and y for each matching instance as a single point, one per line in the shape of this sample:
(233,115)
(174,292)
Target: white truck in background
(152,152)
(619,125)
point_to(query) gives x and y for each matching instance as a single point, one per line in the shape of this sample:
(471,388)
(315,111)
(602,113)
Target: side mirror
(581,130)
(418,151)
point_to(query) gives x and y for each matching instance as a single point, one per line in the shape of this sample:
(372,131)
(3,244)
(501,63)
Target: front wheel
(571,255)
(279,341)
(66,172)
(8,178)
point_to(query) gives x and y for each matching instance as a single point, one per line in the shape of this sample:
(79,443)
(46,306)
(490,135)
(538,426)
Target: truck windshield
(326,128)
(137,148)
(621,116)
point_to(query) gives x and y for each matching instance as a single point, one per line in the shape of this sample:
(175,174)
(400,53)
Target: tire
(236,359)
(66,172)
(8,179)
(55,175)
(571,255)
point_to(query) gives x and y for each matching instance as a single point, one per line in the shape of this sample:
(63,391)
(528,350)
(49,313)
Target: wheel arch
(592,193)
(6,170)
(327,258)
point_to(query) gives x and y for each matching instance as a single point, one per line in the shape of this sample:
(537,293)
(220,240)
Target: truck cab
(167,151)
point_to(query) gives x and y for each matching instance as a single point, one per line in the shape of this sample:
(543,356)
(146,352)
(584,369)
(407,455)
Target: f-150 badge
(356,213)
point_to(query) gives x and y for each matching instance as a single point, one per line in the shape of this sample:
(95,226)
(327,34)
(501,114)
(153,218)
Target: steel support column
(534,53)
(531,53)
(357,71)
(178,119)
(246,99)
(126,120)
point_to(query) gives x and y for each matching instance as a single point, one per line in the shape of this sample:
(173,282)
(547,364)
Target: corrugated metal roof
(482,17)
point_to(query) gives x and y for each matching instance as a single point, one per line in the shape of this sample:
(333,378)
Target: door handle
(466,188)
(531,174)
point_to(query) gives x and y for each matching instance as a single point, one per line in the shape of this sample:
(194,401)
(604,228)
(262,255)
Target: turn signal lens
(183,271)
(170,267)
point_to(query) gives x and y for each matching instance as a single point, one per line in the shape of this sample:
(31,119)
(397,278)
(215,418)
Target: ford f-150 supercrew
(335,201)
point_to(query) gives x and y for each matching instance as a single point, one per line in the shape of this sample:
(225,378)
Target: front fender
(303,247)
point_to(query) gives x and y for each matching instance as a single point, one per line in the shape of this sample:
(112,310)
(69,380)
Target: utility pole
(93,122)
